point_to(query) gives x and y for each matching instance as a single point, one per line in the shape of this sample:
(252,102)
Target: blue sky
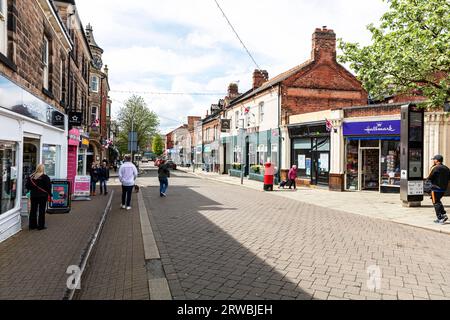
(187,46)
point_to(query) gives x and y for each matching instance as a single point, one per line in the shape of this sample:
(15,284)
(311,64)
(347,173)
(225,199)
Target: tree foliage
(409,54)
(136,114)
(158,145)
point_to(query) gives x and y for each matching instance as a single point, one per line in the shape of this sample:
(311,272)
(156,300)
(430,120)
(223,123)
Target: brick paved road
(224,242)
(116,269)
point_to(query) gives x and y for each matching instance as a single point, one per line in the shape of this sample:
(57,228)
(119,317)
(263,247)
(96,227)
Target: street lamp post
(242,133)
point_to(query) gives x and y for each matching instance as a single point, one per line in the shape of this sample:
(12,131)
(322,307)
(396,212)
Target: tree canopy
(158,145)
(409,54)
(136,114)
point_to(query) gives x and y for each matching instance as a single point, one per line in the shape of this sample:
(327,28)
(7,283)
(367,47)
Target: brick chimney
(259,77)
(233,90)
(324,45)
(191,121)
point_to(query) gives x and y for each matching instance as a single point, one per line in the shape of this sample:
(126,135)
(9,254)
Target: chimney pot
(259,77)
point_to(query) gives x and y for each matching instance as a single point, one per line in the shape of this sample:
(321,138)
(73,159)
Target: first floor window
(8,171)
(45,61)
(3,27)
(94,84)
(261,112)
(94,115)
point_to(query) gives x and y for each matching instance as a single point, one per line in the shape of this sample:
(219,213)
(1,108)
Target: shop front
(32,133)
(310,152)
(85,155)
(372,150)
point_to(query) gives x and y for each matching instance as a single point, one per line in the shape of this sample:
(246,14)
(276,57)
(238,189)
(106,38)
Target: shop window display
(352,165)
(390,163)
(49,158)
(8,170)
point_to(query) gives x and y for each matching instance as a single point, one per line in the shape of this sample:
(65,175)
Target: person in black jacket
(39,185)
(103,177)
(163,176)
(94,178)
(439,177)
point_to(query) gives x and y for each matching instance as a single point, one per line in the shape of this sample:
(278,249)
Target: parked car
(144,160)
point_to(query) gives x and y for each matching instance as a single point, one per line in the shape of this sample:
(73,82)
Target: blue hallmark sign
(372,128)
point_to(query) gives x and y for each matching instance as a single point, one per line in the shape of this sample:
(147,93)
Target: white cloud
(186,46)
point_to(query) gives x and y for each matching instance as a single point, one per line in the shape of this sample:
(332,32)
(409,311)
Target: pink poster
(72,165)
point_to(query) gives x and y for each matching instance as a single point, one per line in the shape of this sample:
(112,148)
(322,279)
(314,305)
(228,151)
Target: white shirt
(128,174)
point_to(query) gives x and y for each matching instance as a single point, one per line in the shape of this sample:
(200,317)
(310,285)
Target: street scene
(224,152)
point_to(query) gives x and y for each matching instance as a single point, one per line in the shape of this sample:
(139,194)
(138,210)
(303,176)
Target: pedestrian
(103,177)
(115,166)
(439,178)
(127,176)
(40,192)
(163,176)
(94,173)
(292,177)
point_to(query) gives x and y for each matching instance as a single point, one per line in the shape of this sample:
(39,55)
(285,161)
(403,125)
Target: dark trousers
(163,185)
(35,220)
(93,186)
(438,206)
(103,186)
(126,195)
(291,183)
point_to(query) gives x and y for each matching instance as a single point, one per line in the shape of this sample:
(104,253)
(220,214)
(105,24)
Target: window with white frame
(236,119)
(261,112)
(3,27)
(45,61)
(94,114)
(94,83)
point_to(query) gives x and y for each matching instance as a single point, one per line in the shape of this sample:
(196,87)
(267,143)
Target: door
(370,173)
(225,165)
(320,155)
(30,160)
(247,157)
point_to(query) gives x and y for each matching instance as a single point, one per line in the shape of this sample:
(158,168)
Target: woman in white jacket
(127,176)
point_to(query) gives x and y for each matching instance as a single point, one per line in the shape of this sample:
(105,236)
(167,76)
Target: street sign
(132,141)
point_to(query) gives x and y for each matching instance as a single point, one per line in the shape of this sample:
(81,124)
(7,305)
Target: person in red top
(292,176)
(39,185)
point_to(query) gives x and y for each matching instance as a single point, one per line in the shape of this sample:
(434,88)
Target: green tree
(158,145)
(136,114)
(409,54)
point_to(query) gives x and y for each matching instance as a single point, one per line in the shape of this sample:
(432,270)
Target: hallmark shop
(372,156)
(310,152)
(32,133)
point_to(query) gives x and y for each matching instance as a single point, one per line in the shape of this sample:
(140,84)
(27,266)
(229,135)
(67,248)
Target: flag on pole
(246,110)
(329,125)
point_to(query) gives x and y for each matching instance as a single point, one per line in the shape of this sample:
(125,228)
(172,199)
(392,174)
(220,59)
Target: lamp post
(242,133)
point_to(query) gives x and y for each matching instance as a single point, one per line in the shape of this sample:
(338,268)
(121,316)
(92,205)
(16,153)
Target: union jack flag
(247,110)
(329,125)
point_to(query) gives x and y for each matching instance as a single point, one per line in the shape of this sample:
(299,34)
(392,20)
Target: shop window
(352,165)
(8,182)
(50,159)
(3,28)
(370,143)
(390,163)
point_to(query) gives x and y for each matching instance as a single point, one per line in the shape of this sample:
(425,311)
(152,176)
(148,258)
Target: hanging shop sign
(74,137)
(225,125)
(75,119)
(372,128)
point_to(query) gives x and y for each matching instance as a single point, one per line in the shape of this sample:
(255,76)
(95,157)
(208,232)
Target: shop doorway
(370,173)
(31,156)
(247,157)
(320,155)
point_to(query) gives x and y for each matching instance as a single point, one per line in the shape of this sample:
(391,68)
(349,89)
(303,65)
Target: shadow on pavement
(202,260)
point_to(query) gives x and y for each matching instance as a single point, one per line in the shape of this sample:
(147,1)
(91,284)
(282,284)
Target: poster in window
(324,162)
(308,166)
(301,162)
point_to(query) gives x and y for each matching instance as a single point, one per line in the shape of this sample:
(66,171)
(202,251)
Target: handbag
(49,197)
(427,186)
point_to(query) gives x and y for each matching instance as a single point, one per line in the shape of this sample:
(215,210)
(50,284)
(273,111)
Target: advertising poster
(324,162)
(61,202)
(302,162)
(82,186)
(308,166)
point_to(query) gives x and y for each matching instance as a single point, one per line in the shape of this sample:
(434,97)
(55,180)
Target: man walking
(439,177)
(127,176)
(163,176)
(103,175)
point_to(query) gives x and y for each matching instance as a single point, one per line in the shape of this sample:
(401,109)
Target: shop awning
(394,138)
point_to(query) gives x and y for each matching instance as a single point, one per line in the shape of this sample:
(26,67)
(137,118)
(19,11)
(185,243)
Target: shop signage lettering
(75,119)
(373,128)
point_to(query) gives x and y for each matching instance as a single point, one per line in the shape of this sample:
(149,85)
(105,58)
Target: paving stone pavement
(219,241)
(116,269)
(33,264)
